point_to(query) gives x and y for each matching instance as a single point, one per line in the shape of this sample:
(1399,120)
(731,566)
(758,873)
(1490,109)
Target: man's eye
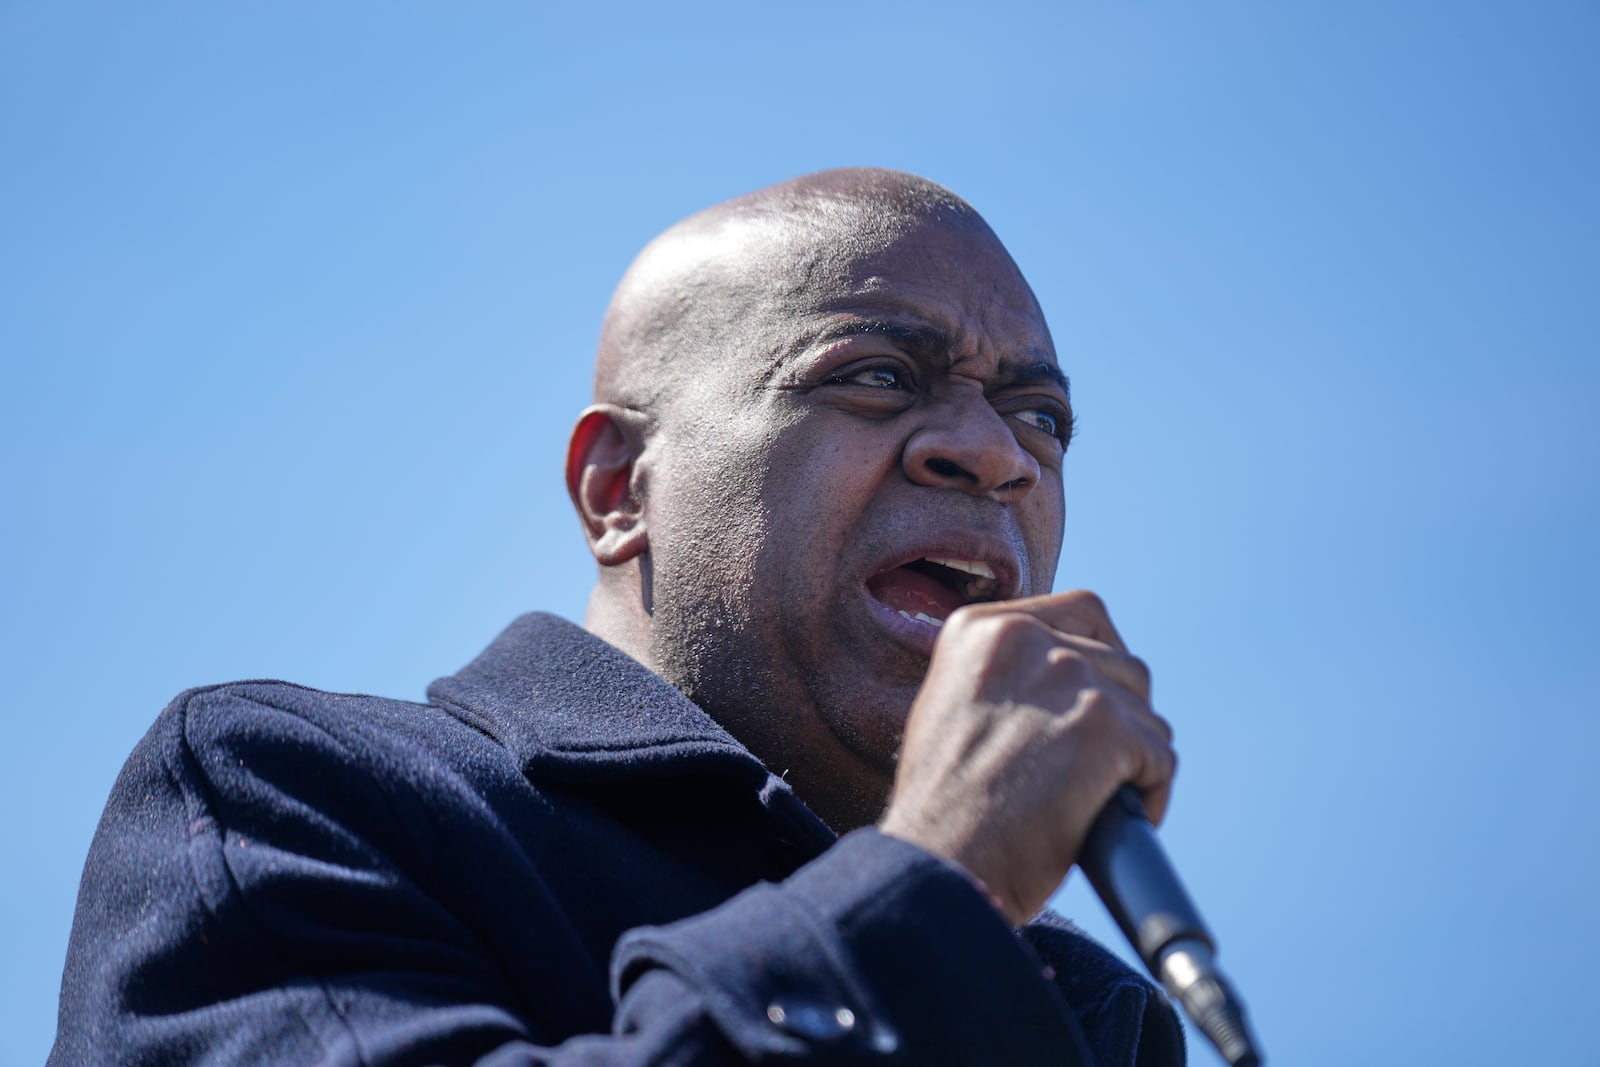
(1044,419)
(873,377)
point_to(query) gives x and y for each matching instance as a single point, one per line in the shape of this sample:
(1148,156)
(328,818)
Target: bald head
(712,278)
(796,392)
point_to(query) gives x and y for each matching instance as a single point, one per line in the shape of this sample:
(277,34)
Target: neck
(621,622)
(841,787)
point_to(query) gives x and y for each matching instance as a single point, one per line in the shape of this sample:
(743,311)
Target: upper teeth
(971,566)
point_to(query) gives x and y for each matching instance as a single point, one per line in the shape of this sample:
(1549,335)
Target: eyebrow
(1028,373)
(931,344)
(920,341)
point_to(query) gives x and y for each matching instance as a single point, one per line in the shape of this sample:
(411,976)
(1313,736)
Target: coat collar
(570,706)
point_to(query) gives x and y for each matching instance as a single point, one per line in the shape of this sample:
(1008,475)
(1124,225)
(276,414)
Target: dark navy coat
(559,859)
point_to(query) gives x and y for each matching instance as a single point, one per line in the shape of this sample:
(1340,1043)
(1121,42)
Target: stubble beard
(759,671)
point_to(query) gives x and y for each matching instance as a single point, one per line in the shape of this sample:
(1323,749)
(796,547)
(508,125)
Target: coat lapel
(571,707)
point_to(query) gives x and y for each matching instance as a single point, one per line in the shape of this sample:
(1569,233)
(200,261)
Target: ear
(604,480)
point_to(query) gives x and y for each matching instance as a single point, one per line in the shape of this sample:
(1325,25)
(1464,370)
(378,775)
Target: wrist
(1014,913)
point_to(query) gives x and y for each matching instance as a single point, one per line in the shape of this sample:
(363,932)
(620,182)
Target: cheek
(833,458)
(819,483)
(720,458)
(739,501)
(707,524)
(1042,521)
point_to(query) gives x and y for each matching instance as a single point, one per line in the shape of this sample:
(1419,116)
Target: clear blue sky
(297,302)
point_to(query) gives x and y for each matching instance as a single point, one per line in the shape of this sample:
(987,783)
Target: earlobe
(605,482)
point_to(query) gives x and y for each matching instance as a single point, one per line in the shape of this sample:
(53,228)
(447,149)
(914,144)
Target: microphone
(1133,878)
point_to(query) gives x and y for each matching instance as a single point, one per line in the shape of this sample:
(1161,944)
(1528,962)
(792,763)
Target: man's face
(879,442)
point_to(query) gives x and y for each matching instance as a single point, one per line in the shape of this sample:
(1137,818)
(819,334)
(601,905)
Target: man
(822,481)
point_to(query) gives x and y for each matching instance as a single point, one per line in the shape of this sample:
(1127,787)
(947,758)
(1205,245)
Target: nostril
(946,468)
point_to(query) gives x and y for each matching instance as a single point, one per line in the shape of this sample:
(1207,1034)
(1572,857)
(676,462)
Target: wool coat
(558,859)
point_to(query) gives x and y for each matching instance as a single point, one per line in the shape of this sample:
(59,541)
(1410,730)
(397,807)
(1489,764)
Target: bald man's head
(708,281)
(800,393)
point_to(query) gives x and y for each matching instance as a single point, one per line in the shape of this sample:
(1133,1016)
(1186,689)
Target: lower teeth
(920,617)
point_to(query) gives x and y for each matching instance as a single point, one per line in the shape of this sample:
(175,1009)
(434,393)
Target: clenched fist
(1033,712)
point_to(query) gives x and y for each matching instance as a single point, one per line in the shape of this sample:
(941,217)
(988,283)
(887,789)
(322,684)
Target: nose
(966,444)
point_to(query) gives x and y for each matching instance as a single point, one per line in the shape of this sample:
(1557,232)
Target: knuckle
(968,623)
(1068,666)
(985,635)
(1010,628)
(1097,710)
(1088,599)
(970,614)
(1062,656)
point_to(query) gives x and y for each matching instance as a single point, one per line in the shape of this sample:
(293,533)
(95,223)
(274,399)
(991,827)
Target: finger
(1122,669)
(1136,742)
(1080,613)
(1148,740)
(1154,780)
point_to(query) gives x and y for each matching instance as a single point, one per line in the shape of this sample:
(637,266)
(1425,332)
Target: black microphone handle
(1130,871)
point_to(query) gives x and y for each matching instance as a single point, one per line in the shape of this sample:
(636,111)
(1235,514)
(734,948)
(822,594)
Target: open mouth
(930,588)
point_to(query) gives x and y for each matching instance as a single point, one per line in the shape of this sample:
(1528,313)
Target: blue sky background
(297,303)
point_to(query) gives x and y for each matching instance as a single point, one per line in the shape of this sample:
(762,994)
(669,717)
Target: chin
(870,725)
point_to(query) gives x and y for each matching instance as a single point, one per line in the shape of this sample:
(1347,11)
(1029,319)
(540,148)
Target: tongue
(912,591)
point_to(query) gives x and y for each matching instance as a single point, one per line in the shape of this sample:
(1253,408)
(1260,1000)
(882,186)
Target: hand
(1032,714)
